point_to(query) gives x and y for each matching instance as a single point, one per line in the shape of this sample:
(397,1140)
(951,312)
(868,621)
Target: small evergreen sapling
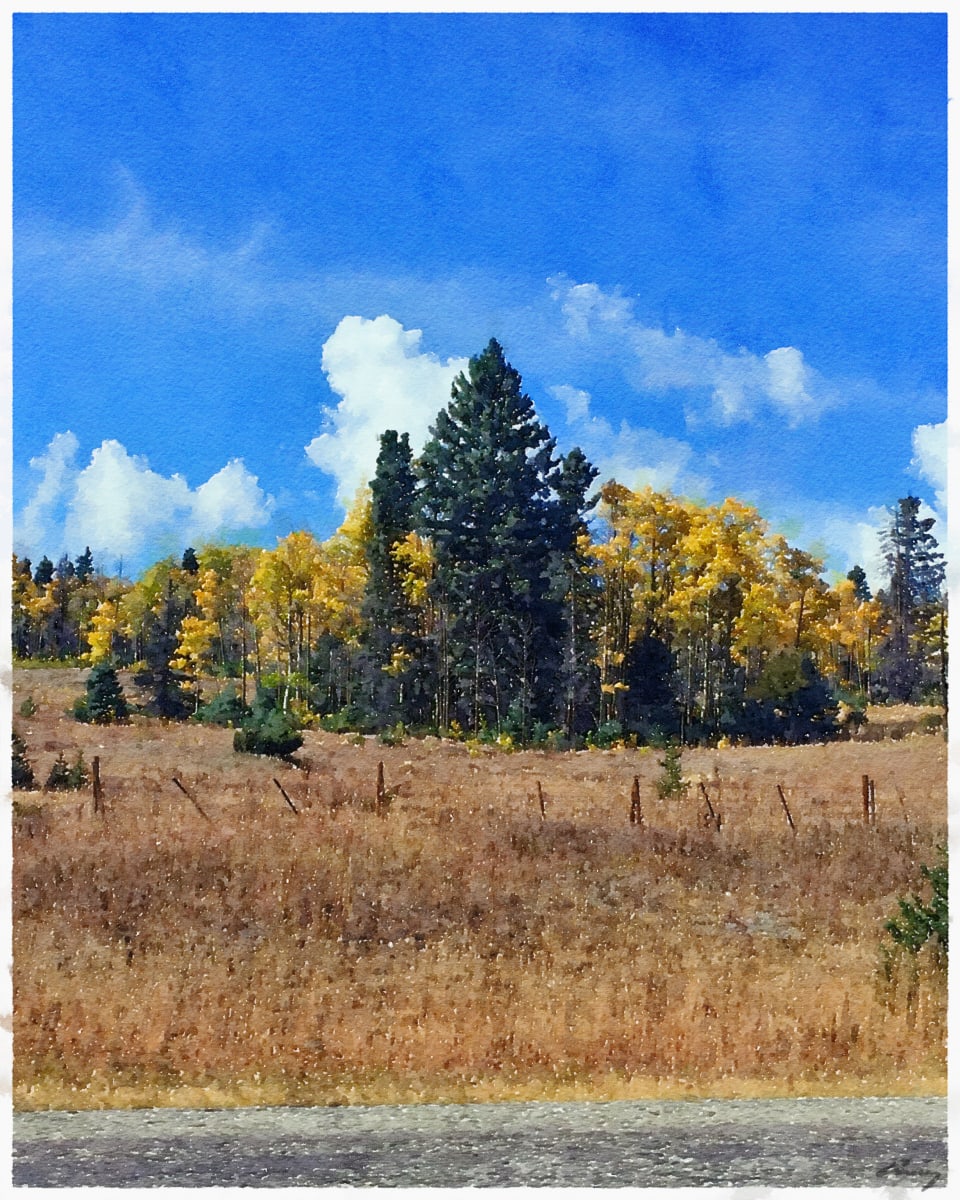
(671,782)
(23,778)
(64,778)
(104,702)
(268,729)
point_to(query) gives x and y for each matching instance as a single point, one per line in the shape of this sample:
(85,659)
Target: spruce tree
(488,474)
(43,573)
(104,702)
(916,569)
(21,771)
(393,675)
(84,565)
(858,577)
(576,587)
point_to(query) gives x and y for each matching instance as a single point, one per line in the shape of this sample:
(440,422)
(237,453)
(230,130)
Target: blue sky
(713,245)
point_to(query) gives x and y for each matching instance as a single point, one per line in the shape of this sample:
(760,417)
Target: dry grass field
(463,945)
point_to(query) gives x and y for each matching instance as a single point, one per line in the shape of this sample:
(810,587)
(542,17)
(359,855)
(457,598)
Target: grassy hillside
(463,945)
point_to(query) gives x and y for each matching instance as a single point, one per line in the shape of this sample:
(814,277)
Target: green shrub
(22,772)
(268,729)
(28,707)
(920,923)
(606,735)
(64,778)
(671,782)
(225,708)
(104,702)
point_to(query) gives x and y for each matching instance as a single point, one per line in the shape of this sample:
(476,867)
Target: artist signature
(908,1166)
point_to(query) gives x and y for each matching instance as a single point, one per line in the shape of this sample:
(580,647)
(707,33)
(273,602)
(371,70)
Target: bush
(28,707)
(671,782)
(104,702)
(609,734)
(63,778)
(268,729)
(918,923)
(225,708)
(22,772)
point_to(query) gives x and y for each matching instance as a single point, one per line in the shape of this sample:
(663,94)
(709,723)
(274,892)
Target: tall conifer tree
(489,475)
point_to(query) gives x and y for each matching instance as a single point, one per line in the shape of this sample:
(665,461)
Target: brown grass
(461,946)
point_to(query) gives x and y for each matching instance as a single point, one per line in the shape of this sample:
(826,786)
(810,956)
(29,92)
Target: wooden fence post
(636,812)
(97,789)
(783,801)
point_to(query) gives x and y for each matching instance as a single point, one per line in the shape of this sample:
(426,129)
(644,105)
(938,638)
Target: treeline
(484,589)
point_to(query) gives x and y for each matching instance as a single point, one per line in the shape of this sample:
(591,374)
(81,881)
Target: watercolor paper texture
(569,775)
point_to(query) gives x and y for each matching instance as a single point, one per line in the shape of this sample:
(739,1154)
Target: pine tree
(21,771)
(104,702)
(916,569)
(858,577)
(84,565)
(43,573)
(488,476)
(167,599)
(576,588)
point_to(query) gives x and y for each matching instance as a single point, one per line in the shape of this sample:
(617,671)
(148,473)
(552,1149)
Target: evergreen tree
(21,771)
(577,589)
(104,702)
(44,572)
(163,684)
(858,577)
(84,566)
(488,476)
(392,661)
(189,562)
(916,569)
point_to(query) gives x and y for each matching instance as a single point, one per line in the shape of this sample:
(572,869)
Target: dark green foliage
(922,925)
(791,703)
(189,562)
(22,774)
(858,577)
(28,707)
(606,735)
(104,702)
(488,474)
(577,590)
(64,778)
(916,569)
(268,729)
(163,686)
(391,690)
(44,572)
(650,707)
(84,566)
(923,922)
(225,708)
(671,781)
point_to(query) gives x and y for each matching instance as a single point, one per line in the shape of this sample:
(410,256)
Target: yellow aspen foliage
(414,556)
(105,625)
(194,641)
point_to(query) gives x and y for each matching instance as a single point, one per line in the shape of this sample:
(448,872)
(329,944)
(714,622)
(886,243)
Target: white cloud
(385,382)
(634,456)
(58,472)
(123,510)
(734,386)
(931,448)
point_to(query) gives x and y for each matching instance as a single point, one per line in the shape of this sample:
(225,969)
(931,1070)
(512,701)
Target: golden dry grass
(461,947)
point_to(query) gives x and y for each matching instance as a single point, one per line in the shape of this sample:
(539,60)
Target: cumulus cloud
(931,450)
(634,456)
(719,385)
(384,381)
(124,510)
